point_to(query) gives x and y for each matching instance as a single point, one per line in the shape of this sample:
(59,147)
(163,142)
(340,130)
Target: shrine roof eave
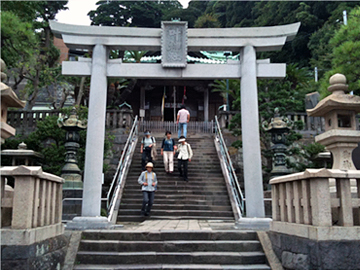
(334,102)
(266,38)
(9,97)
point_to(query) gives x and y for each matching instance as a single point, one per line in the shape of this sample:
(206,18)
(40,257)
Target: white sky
(78,10)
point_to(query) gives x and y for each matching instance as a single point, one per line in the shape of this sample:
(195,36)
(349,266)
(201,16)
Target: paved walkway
(178,224)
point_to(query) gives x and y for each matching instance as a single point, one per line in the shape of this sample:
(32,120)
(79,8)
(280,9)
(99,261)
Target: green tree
(49,140)
(207,21)
(36,58)
(190,14)
(132,13)
(346,53)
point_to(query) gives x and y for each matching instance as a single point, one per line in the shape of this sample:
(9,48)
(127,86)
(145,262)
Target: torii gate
(174,40)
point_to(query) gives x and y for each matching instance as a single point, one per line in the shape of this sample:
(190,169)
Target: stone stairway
(200,250)
(203,197)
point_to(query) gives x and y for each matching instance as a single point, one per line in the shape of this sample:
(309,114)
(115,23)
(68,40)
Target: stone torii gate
(174,40)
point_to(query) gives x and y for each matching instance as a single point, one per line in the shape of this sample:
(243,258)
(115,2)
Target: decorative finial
(338,84)
(22,146)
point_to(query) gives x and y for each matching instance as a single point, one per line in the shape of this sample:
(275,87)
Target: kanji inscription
(174,44)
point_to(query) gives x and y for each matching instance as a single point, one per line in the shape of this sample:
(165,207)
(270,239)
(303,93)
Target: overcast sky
(78,10)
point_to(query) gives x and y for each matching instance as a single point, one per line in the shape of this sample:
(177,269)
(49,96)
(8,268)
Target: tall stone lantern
(278,128)
(339,110)
(71,172)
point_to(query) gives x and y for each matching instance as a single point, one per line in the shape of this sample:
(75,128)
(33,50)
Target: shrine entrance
(174,40)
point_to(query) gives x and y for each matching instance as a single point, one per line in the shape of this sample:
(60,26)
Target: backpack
(152,139)
(146,179)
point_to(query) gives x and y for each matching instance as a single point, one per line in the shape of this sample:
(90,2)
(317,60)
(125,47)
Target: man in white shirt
(183,118)
(184,156)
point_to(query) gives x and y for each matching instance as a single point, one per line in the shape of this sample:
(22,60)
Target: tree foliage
(26,43)
(132,13)
(345,55)
(49,140)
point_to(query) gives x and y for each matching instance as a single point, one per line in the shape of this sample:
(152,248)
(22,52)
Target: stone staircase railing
(115,192)
(232,183)
(304,205)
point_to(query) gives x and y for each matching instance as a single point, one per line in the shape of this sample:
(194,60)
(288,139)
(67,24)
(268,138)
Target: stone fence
(32,236)
(25,121)
(307,205)
(37,197)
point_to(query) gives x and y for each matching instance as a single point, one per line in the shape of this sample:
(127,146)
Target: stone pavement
(178,224)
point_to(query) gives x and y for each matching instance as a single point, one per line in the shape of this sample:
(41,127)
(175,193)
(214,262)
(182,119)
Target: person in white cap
(185,155)
(148,182)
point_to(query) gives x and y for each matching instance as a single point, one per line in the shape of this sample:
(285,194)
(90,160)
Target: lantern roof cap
(338,100)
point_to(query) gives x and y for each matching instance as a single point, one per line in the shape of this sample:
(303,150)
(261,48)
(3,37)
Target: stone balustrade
(25,121)
(303,204)
(36,202)
(37,198)
(34,236)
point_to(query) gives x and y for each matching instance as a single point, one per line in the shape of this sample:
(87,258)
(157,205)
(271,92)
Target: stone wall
(48,254)
(304,254)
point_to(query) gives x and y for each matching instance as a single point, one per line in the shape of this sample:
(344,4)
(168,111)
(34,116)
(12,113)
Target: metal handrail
(235,186)
(121,171)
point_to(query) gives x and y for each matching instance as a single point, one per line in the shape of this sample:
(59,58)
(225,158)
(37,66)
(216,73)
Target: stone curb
(74,243)
(268,250)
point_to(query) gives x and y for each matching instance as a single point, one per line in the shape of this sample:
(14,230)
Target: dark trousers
(183,171)
(146,154)
(148,200)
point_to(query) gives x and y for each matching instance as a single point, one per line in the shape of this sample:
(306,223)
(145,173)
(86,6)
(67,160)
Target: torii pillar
(247,40)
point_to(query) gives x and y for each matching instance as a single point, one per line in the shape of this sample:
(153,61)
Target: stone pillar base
(257,224)
(90,223)
(72,181)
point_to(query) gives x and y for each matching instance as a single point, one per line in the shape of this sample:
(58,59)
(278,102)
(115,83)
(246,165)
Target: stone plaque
(174,44)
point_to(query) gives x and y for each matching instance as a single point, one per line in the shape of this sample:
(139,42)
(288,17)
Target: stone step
(178,206)
(181,191)
(178,189)
(179,197)
(198,176)
(172,213)
(138,218)
(138,200)
(173,267)
(169,235)
(192,167)
(170,246)
(171,183)
(151,257)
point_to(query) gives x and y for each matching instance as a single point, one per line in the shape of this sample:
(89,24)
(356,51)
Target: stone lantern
(22,155)
(71,172)
(339,110)
(278,128)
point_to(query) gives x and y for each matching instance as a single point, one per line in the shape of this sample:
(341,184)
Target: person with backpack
(168,148)
(148,182)
(184,156)
(147,145)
